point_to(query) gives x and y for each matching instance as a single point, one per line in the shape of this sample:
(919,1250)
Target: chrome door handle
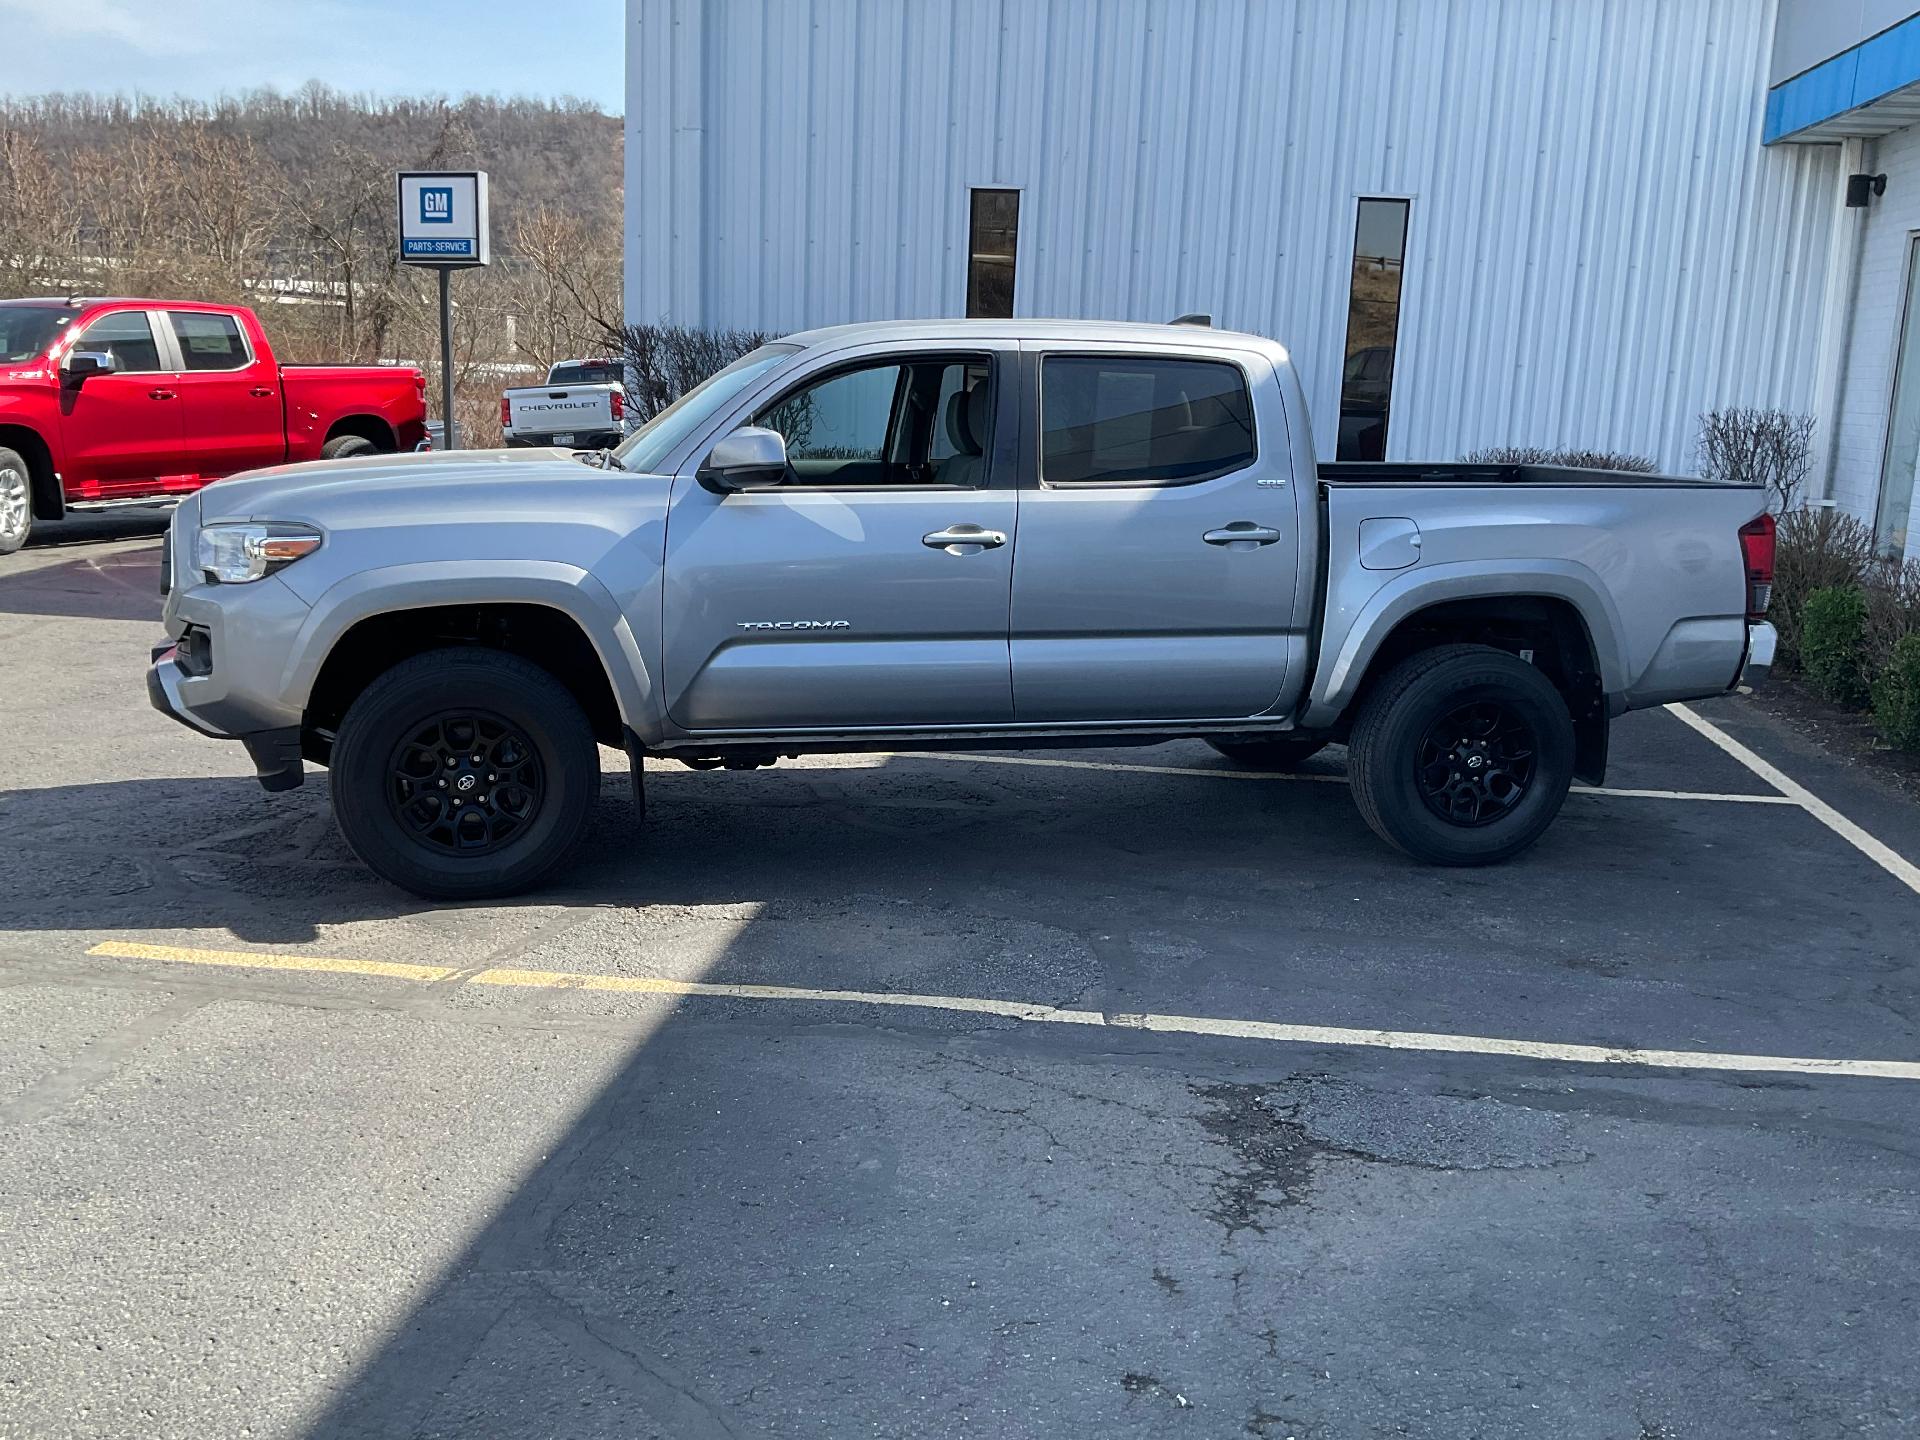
(963,539)
(1241,532)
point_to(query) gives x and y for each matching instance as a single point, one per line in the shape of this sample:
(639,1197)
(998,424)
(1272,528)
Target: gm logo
(436,204)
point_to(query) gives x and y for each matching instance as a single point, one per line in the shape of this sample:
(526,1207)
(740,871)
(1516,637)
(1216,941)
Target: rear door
(120,430)
(232,410)
(1158,548)
(871,589)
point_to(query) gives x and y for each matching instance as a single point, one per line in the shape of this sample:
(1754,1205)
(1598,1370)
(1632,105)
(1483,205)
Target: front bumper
(275,752)
(1762,641)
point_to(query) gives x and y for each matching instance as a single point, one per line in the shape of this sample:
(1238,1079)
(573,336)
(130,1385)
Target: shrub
(1816,550)
(1833,643)
(1893,609)
(665,361)
(1574,459)
(1896,695)
(1773,448)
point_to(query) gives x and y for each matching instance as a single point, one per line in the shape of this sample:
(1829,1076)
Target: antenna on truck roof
(1205,322)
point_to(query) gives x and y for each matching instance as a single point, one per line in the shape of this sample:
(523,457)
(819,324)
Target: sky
(205,48)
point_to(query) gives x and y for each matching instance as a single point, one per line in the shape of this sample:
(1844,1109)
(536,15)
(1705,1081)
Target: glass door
(1903,422)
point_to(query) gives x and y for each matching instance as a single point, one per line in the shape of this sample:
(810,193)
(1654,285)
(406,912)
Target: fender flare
(574,592)
(1340,670)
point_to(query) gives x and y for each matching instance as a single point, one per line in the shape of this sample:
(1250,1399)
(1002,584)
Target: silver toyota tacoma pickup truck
(945,534)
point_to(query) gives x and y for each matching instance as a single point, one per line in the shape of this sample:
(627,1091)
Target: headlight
(236,554)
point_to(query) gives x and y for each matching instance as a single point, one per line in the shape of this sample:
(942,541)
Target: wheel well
(48,503)
(367,427)
(1546,629)
(547,637)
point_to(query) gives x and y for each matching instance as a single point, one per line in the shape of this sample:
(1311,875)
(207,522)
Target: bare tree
(1773,448)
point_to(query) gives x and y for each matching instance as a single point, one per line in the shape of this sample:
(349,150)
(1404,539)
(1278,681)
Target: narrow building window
(993,233)
(1373,328)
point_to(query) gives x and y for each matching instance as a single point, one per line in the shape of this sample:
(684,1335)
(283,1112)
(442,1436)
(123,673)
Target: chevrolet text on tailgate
(106,402)
(947,534)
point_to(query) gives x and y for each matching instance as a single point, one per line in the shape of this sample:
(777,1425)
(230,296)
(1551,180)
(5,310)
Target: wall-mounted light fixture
(1862,188)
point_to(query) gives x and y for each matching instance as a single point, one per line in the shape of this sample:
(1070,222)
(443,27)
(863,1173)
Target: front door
(122,429)
(869,590)
(229,396)
(1159,551)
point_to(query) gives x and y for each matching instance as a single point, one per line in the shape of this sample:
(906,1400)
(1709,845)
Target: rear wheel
(464,774)
(1461,755)
(1270,752)
(16,501)
(345,447)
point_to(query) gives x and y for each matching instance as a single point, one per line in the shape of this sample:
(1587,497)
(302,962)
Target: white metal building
(1474,222)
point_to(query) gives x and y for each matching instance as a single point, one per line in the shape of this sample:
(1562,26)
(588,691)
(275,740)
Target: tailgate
(564,409)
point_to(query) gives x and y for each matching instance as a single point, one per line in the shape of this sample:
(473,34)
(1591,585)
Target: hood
(320,488)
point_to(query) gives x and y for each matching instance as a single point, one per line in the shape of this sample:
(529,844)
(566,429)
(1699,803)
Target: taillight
(619,405)
(506,413)
(1756,550)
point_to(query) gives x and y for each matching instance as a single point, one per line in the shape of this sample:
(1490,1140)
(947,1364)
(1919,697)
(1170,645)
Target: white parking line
(1889,860)
(1038,1012)
(1123,768)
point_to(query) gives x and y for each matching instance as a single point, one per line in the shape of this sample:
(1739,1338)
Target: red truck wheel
(345,447)
(16,501)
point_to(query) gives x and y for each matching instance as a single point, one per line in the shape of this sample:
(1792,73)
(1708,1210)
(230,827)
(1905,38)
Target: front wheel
(16,501)
(464,774)
(1461,755)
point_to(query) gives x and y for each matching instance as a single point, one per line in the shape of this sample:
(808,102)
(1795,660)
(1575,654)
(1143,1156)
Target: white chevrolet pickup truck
(953,534)
(582,406)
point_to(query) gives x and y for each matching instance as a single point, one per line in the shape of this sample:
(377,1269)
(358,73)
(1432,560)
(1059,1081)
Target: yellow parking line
(1325,1036)
(259,960)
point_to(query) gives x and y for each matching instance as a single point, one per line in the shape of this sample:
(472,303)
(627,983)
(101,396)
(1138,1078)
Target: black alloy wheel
(1476,763)
(466,782)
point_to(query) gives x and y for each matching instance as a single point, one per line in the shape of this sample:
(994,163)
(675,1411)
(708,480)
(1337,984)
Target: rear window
(1116,420)
(208,342)
(586,373)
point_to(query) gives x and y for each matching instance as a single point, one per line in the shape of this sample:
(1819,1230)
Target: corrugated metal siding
(1599,246)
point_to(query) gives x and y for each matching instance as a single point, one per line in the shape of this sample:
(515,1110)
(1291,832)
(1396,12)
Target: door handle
(262,391)
(1241,532)
(160,394)
(963,539)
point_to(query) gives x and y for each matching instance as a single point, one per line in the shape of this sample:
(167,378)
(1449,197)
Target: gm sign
(443,217)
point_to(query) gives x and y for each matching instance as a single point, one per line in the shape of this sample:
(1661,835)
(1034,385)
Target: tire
(16,501)
(1271,752)
(345,447)
(1420,729)
(428,714)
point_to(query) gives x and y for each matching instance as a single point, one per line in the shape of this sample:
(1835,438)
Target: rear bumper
(1762,642)
(275,753)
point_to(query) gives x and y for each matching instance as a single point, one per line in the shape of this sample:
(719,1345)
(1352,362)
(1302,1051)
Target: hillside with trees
(285,203)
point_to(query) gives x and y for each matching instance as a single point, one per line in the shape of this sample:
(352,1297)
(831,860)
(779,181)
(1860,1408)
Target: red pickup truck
(123,400)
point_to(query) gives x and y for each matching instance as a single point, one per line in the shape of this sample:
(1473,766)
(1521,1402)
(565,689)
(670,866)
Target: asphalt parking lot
(1117,1094)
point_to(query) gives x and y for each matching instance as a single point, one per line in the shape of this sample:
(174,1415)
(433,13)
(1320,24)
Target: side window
(209,342)
(1113,420)
(125,338)
(919,422)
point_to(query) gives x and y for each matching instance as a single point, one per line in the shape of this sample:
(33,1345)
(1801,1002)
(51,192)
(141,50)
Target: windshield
(646,450)
(27,330)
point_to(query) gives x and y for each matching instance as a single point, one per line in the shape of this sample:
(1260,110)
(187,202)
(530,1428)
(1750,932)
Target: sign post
(443,226)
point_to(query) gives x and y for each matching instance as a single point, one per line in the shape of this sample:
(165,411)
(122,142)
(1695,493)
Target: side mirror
(749,456)
(82,363)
